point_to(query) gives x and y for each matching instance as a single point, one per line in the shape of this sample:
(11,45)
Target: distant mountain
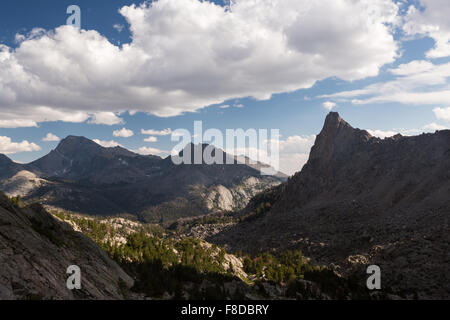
(36,250)
(80,159)
(362,200)
(82,176)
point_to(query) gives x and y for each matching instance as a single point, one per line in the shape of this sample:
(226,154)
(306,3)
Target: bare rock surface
(36,250)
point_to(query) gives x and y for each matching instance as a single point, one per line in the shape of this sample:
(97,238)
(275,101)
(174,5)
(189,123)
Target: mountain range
(358,201)
(84,177)
(362,200)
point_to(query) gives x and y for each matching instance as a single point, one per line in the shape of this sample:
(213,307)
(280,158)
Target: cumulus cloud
(119,27)
(329,105)
(51,137)
(123,133)
(9,147)
(107,144)
(185,55)
(293,152)
(151,139)
(108,118)
(150,151)
(431,20)
(152,132)
(442,113)
(434,126)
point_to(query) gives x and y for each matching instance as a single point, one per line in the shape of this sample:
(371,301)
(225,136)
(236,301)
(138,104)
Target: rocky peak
(74,145)
(200,149)
(337,139)
(333,121)
(361,200)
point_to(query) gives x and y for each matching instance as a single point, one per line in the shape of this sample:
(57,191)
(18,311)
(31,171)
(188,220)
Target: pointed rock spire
(337,138)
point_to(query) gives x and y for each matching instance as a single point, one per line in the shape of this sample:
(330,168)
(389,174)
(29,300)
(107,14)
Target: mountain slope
(36,250)
(8,168)
(361,200)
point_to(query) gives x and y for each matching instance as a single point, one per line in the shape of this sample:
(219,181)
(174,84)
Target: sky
(136,71)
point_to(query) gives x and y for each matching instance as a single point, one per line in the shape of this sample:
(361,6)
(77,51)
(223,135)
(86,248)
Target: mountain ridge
(81,176)
(362,200)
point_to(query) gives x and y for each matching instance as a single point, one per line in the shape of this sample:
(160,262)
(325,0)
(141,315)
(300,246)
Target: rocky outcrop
(22,183)
(362,200)
(236,197)
(36,250)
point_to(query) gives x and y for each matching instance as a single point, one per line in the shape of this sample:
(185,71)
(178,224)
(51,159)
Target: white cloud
(185,55)
(434,126)
(23,116)
(442,113)
(123,133)
(51,137)
(431,127)
(151,139)
(108,118)
(293,153)
(382,133)
(150,151)
(17,123)
(119,27)
(297,144)
(329,105)
(107,144)
(152,132)
(9,147)
(293,163)
(415,67)
(432,21)
(416,83)
(236,105)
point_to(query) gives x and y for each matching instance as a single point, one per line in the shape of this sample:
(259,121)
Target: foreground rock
(35,251)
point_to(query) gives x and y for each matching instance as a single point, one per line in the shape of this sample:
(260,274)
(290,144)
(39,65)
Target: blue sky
(391,101)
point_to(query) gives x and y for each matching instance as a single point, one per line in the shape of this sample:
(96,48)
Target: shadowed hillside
(362,200)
